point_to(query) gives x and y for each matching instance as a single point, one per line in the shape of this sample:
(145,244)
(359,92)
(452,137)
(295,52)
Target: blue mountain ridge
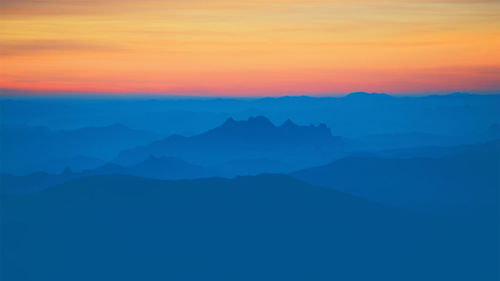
(352,116)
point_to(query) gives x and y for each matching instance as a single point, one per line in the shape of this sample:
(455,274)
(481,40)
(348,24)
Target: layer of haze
(250,47)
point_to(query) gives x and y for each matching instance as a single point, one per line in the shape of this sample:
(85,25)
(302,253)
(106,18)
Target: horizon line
(19,93)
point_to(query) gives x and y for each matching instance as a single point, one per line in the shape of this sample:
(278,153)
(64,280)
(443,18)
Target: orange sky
(250,47)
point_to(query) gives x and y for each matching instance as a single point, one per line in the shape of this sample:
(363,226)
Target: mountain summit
(260,129)
(254,138)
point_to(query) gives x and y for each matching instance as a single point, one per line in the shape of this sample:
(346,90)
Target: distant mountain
(28,149)
(416,139)
(260,130)
(409,140)
(153,168)
(44,162)
(156,168)
(366,96)
(239,167)
(493,132)
(255,138)
(438,151)
(463,182)
(12,184)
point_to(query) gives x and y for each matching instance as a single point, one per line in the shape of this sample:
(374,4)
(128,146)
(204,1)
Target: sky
(250,47)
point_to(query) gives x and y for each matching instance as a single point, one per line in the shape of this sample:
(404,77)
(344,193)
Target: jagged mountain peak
(261,128)
(288,124)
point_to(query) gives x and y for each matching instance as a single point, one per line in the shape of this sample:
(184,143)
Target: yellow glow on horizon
(250,47)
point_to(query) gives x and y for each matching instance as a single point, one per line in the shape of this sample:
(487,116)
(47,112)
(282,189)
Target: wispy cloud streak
(244,46)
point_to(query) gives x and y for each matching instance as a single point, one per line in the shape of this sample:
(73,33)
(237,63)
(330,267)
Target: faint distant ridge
(359,96)
(460,94)
(493,131)
(494,127)
(52,150)
(364,95)
(156,168)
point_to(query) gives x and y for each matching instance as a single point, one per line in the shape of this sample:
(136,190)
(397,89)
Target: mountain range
(461,182)
(27,149)
(429,178)
(153,167)
(405,188)
(352,116)
(156,168)
(252,139)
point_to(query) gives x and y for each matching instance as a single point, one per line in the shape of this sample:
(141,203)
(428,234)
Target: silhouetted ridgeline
(260,130)
(153,167)
(355,115)
(156,168)
(391,176)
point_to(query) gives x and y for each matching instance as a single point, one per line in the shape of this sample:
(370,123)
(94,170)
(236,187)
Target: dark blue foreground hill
(267,227)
